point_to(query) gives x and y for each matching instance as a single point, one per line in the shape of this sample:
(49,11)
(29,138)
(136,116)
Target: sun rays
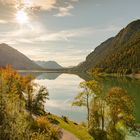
(22,17)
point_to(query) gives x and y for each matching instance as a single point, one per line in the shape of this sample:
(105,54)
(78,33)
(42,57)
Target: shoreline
(136,76)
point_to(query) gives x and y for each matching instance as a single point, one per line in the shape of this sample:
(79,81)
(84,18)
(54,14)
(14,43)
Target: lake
(64,87)
(62,90)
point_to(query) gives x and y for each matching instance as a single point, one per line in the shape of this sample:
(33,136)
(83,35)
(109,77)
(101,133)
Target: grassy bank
(78,130)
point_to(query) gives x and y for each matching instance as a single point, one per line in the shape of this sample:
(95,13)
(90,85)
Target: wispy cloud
(67,35)
(74,0)
(37,34)
(42,4)
(46,5)
(21,35)
(3,21)
(64,35)
(64,11)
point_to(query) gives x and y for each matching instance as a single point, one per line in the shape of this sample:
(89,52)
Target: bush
(65,119)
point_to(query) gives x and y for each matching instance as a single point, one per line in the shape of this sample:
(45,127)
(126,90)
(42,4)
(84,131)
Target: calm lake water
(64,87)
(62,90)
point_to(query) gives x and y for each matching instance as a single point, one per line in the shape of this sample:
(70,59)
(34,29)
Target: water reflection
(64,87)
(42,75)
(132,86)
(62,91)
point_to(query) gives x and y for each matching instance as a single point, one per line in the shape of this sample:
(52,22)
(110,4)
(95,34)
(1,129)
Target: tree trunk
(102,118)
(88,110)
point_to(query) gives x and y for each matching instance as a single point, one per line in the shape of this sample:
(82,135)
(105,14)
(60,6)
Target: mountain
(10,56)
(49,64)
(117,54)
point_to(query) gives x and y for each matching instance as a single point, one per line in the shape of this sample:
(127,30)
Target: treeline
(22,115)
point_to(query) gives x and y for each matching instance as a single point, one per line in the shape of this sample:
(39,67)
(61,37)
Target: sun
(22,17)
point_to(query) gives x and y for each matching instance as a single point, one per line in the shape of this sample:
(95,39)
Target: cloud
(38,4)
(25,34)
(35,33)
(43,4)
(9,8)
(64,11)
(74,0)
(8,2)
(67,35)
(3,21)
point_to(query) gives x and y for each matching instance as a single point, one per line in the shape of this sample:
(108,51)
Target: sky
(65,31)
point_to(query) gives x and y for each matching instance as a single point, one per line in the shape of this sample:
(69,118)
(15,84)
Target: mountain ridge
(116,53)
(49,64)
(11,56)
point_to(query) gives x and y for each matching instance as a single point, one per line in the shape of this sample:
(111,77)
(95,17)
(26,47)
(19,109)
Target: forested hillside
(119,54)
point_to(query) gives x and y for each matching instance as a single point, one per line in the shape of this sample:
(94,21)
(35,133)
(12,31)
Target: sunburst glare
(22,17)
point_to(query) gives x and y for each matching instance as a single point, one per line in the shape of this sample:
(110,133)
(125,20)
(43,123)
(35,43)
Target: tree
(97,119)
(39,100)
(29,91)
(121,107)
(90,90)
(35,100)
(112,114)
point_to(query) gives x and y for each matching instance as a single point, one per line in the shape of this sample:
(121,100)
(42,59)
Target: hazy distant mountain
(117,54)
(17,60)
(49,64)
